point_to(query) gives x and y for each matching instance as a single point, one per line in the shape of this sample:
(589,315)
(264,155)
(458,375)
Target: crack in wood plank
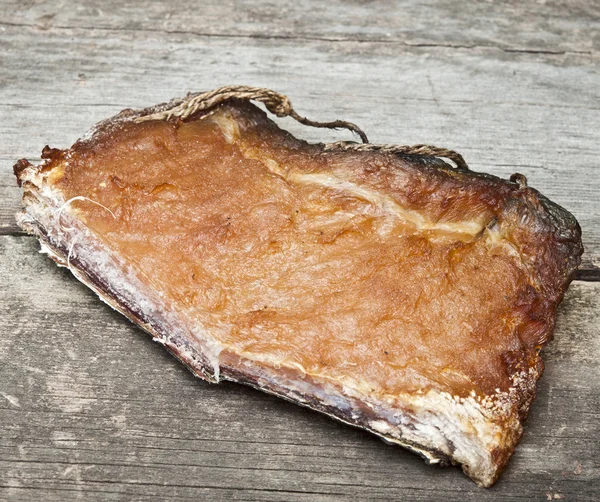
(308,38)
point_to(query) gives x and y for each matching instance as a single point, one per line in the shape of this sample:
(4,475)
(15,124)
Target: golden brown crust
(391,280)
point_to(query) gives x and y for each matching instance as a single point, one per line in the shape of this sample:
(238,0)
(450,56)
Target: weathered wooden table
(91,409)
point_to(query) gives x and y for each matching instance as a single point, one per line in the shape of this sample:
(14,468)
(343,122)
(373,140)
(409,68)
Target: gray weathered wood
(511,26)
(91,409)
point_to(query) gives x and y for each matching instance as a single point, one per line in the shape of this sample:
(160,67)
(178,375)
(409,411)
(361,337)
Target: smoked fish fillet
(391,291)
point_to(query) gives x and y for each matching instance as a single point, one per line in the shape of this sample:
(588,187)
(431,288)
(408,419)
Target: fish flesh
(390,291)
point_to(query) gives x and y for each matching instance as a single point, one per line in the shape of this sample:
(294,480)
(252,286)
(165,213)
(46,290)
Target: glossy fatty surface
(380,273)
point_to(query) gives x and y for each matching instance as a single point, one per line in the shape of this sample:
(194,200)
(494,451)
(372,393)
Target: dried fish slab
(388,290)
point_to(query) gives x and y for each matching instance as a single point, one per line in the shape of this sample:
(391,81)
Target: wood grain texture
(511,26)
(90,409)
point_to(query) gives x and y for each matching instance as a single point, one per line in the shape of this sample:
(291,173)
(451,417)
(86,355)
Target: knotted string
(280,106)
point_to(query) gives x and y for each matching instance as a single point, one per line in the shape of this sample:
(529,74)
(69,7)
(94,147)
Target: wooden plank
(90,407)
(532,113)
(511,26)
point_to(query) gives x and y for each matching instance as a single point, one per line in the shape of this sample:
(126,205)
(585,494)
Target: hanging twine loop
(280,106)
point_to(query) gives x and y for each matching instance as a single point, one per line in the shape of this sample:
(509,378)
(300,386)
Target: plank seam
(310,38)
